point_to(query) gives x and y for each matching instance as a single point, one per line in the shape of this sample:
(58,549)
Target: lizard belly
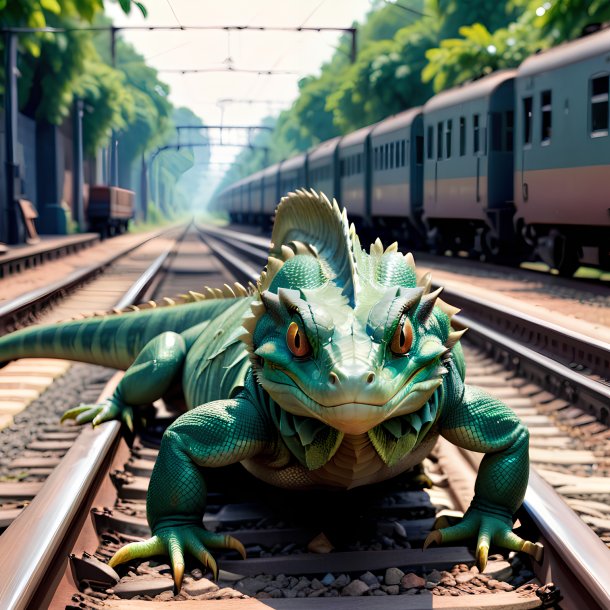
(355,463)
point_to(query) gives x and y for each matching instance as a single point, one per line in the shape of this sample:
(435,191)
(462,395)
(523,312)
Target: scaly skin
(344,354)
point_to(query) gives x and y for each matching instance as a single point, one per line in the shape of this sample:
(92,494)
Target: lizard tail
(111,340)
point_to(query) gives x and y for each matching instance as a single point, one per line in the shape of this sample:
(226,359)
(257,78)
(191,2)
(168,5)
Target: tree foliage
(538,26)
(57,66)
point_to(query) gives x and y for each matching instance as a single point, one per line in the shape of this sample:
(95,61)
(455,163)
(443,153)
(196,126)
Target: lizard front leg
(484,424)
(215,434)
(145,381)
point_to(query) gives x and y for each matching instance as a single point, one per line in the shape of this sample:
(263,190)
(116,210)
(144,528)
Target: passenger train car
(514,163)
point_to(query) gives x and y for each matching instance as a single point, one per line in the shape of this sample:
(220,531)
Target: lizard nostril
(370,378)
(333,379)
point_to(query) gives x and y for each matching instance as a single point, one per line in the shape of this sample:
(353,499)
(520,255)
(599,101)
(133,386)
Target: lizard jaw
(352,417)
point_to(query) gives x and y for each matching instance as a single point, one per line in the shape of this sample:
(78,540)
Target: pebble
(370,579)
(391,589)
(355,588)
(165,596)
(501,586)
(393,576)
(500,570)
(320,544)
(196,573)
(251,586)
(200,587)
(464,577)
(328,580)
(316,584)
(341,581)
(227,593)
(410,581)
(434,576)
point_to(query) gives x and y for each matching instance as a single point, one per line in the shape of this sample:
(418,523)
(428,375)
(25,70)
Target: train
(109,210)
(508,167)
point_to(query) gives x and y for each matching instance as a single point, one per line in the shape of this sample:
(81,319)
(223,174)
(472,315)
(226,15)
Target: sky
(237,98)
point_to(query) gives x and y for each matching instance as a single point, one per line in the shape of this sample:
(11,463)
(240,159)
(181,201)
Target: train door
(476,148)
(527,110)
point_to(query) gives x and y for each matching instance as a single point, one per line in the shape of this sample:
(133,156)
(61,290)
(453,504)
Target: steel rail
(37,539)
(550,338)
(35,299)
(571,541)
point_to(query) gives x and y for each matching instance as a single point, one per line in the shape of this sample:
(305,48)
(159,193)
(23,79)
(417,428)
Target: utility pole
(11,225)
(144,189)
(77,176)
(354,47)
(113,148)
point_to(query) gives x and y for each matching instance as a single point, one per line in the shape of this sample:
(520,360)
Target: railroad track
(384,564)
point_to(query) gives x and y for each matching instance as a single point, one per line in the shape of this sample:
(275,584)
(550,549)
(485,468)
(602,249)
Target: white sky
(299,52)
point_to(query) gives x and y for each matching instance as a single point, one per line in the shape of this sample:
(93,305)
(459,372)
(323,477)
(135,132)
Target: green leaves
(51,5)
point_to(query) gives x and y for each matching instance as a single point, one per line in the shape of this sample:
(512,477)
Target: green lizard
(340,369)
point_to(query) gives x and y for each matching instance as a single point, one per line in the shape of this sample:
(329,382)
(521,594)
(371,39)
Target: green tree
(480,50)
(56,66)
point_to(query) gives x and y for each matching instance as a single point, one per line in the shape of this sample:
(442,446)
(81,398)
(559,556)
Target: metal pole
(144,189)
(354,49)
(77,177)
(113,161)
(13,232)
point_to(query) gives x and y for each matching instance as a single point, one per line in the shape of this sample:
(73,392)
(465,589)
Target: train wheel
(437,243)
(564,253)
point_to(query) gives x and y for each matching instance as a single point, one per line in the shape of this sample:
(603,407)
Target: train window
(545,107)
(496,131)
(528,118)
(403,160)
(599,106)
(386,162)
(391,164)
(462,136)
(376,158)
(510,127)
(419,150)
(439,140)
(430,142)
(342,168)
(476,134)
(448,137)
(359,167)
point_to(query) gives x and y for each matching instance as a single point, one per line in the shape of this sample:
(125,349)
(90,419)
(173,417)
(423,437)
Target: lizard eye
(403,338)
(297,341)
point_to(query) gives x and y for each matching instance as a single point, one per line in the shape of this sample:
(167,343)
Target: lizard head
(349,338)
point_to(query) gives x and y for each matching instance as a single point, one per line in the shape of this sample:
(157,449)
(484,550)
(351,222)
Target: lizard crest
(346,339)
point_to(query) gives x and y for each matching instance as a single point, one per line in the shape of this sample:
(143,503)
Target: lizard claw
(175,541)
(487,528)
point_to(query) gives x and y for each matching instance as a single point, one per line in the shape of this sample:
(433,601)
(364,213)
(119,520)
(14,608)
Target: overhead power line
(227,69)
(113,29)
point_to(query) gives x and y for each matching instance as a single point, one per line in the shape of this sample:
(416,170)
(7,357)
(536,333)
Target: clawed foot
(175,541)
(487,528)
(99,413)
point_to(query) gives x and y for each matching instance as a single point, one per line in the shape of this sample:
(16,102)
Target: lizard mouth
(355,417)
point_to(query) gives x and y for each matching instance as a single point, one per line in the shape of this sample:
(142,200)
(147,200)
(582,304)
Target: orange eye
(297,341)
(402,339)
